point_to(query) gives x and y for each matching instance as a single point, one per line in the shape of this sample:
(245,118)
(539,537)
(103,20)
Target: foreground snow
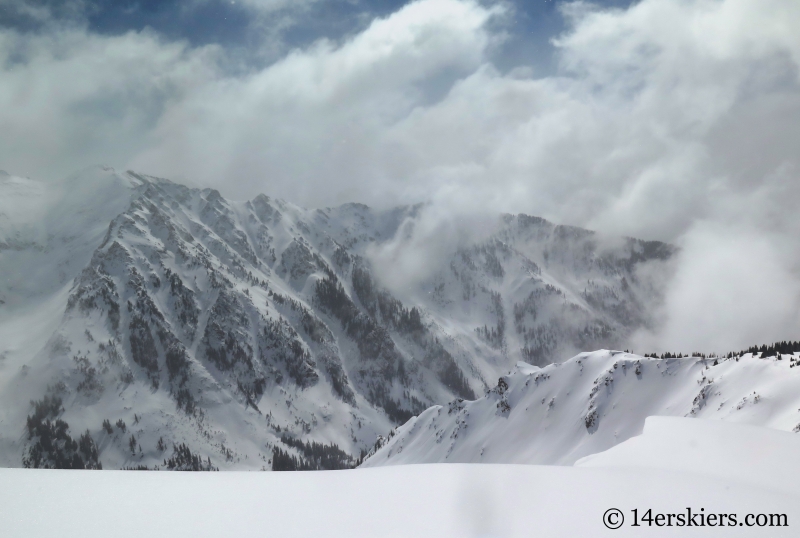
(676,464)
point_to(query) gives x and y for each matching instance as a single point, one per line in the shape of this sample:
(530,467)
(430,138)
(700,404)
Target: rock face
(205,333)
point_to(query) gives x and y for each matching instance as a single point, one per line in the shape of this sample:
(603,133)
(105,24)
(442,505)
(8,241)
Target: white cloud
(733,289)
(676,120)
(312,127)
(68,99)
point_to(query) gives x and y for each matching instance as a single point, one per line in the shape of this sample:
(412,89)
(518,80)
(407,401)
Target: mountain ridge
(560,413)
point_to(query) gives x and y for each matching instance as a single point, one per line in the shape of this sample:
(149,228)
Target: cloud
(426,242)
(733,289)
(672,120)
(69,99)
(313,126)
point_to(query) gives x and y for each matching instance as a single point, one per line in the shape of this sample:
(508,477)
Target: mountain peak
(244,330)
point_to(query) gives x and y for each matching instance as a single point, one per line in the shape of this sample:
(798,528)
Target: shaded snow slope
(427,500)
(563,412)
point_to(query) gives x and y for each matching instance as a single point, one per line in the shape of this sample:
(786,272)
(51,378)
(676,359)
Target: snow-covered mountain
(590,403)
(145,323)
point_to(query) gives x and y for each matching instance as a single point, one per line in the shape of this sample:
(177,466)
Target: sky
(676,120)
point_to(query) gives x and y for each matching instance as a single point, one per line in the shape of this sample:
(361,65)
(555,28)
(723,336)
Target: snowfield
(676,464)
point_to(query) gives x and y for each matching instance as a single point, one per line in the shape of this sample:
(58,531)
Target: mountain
(149,324)
(590,403)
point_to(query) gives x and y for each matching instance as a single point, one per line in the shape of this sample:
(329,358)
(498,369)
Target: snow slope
(592,402)
(433,500)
